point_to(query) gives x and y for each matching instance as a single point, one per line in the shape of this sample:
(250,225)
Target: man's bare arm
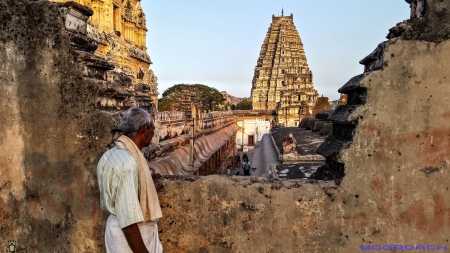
(134,238)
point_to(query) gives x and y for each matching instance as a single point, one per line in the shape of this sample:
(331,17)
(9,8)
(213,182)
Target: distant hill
(334,104)
(232,100)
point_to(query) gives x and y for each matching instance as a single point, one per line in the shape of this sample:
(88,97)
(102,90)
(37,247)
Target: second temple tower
(282,79)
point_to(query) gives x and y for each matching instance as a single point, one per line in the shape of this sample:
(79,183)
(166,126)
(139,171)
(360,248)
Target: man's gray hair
(133,119)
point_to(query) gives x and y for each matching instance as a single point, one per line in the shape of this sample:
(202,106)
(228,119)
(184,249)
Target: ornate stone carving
(115,34)
(128,11)
(140,17)
(115,47)
(139,54)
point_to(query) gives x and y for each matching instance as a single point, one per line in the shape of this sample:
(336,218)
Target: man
(127,189)
(246,169)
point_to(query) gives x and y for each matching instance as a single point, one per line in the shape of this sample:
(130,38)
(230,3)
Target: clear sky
(217,43)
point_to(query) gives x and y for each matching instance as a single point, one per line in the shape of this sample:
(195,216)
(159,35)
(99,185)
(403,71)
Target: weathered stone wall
(232,214)
(399,160)
(50,136)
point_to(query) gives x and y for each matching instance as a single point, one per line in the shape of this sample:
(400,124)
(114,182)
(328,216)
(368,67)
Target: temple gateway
(283,81)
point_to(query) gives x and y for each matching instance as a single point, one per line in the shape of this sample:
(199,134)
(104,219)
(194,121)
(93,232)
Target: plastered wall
(398,162)
(237,214)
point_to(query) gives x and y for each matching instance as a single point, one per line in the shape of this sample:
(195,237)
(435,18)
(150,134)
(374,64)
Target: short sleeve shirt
(118,180)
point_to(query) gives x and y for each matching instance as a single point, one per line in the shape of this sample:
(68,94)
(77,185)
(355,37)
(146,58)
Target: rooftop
(307,141)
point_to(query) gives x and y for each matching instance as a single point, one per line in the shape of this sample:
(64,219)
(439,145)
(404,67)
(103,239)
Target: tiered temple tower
(282,79)
(119,27)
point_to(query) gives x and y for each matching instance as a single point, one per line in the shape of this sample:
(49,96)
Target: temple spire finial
(282,11)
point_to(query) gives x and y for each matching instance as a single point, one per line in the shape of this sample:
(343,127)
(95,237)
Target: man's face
(149,132)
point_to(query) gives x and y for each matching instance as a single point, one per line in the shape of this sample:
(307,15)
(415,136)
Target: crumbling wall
(399,160)
(237,214)
(51,135)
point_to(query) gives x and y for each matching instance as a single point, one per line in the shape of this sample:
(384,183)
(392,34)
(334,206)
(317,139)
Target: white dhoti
(116,242)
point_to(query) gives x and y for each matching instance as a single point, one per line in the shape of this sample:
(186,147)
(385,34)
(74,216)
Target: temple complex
(387,155)
(119,29)
(282,79)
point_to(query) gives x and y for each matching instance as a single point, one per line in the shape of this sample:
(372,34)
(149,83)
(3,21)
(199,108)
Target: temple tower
(282,78)
(119,27)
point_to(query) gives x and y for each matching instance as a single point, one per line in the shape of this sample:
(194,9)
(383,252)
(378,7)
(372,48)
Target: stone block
(92,60)
(352,84)
(332,146)
(311,124)
(341,113)
(304,122)
(76,17)
(318,126)
(374,61)
(323,115)
(327,129)
(82,42)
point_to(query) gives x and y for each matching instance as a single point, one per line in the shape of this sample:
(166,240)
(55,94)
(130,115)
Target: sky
(217,43)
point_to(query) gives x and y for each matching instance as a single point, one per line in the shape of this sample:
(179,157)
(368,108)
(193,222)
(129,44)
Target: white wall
(255,127)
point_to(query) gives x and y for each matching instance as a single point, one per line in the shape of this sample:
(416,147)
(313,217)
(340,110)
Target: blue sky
(217,43)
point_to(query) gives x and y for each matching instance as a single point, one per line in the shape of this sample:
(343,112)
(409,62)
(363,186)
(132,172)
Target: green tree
(206,98)
(245,104)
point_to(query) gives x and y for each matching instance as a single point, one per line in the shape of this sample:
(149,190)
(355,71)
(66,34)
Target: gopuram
(118,28)
(283,81)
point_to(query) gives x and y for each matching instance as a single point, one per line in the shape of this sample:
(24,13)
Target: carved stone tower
(119,28)
(282,78)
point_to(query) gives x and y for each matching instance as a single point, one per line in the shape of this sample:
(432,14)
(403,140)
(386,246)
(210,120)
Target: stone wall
(51,135)
(232,214)
(399,160)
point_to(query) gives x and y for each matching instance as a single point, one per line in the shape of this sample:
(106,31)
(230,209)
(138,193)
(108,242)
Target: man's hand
(155,178)
(134,238)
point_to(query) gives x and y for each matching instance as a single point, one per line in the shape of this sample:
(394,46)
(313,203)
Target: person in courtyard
(246,169)
(127,189)
(245,158)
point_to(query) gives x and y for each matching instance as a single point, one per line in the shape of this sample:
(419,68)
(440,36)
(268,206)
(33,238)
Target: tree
(245,104)
(206,98)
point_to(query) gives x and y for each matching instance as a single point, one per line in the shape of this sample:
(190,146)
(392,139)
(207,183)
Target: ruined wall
(51,136)
(398,162)
(232,214)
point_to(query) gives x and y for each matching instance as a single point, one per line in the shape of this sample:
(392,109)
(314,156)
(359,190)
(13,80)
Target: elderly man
(127,189)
